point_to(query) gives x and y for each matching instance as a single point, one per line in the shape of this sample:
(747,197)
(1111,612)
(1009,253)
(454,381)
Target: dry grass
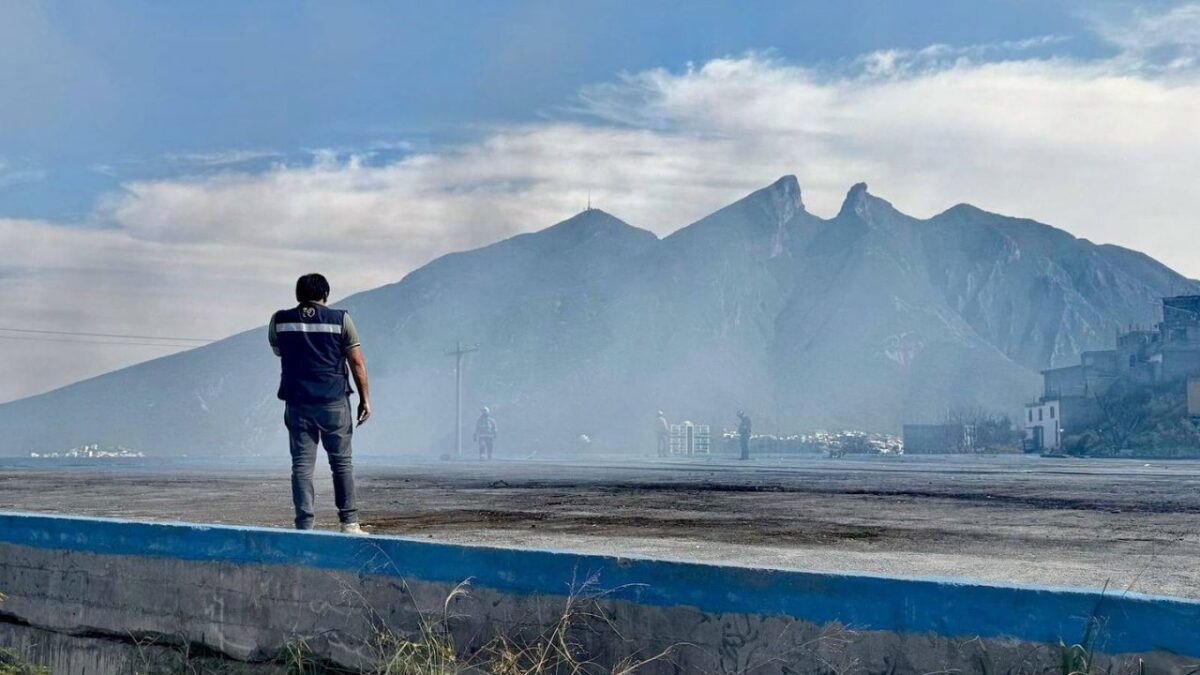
(429,650)
(555,650)
(11,663)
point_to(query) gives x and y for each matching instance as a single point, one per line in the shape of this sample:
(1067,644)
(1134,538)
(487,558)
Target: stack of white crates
(690,439)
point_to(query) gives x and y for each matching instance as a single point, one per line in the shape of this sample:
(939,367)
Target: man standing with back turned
(314,344)
(743,430)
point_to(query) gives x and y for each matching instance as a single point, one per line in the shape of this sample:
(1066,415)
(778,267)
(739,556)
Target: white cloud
(11,175)
(220,157)
(1158,39)
(1104,148)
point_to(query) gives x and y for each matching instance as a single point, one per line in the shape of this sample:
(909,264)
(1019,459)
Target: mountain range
(866,320)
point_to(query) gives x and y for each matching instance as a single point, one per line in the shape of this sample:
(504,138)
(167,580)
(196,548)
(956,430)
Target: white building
(1043,424)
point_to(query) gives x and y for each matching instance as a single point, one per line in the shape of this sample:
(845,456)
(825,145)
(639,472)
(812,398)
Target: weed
(431,650)
(555,651)
(159,654)
(298,658)
(12,664)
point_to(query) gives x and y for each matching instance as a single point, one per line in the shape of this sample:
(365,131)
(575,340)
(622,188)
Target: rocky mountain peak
(762,213)
(588,225)
(784,195)
(592,218)
(867,208)
(857,202)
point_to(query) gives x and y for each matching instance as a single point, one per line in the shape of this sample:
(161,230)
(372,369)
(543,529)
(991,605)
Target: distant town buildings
(1168,352)
(815,444)
(90,451)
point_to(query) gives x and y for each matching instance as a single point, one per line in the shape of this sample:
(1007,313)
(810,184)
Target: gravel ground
(1121,524)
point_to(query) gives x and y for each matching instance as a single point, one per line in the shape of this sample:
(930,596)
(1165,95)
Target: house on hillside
(1179,346)
(1168,352)
(1068,399)
(1050,418)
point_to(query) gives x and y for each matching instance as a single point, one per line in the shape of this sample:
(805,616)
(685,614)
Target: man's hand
(358,368)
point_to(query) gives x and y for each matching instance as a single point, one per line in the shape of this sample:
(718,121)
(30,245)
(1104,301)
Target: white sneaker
(352,528)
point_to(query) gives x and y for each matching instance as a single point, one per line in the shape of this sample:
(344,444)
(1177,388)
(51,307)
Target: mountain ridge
(867,319)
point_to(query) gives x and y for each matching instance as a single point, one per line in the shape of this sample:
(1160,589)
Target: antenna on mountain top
(589,206)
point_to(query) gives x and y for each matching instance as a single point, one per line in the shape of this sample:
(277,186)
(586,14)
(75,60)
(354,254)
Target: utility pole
(458,353)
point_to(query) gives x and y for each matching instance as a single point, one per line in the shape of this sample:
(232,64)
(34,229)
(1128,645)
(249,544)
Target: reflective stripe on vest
(308,328)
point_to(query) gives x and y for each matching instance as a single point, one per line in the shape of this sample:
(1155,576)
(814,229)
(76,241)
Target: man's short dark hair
(312,288)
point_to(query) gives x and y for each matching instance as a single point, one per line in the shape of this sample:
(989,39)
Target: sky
(168,169)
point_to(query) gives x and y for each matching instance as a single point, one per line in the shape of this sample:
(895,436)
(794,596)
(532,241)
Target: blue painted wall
(1131,622)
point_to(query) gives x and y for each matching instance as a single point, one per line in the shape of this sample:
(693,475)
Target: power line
(165,345)
(105,335)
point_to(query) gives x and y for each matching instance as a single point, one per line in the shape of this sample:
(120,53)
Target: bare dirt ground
(1128,525)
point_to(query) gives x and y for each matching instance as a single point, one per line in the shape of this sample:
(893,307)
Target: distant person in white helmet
(485,433)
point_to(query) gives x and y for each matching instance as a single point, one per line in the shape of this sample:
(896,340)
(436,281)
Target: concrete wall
(1180,361)
(246,592)
(1095,375)
(932,439)
(1181,310)
(1060,382)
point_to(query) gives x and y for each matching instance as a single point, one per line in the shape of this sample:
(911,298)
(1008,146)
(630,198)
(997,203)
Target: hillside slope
(867,320)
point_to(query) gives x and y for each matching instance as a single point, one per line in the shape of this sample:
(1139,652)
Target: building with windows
(1068,399)
(1179,344)
(1042,427)
(1168,352)
(1048,420)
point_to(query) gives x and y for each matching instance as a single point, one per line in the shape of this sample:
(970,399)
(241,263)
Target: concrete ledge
(1130,623)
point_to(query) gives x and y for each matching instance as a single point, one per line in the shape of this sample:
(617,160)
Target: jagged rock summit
(865,320)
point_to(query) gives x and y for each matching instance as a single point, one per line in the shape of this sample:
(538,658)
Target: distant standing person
(663,431)
(743,430)
(318,349)
(485,433)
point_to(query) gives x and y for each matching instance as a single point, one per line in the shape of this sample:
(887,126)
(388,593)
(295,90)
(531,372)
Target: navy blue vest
(311,353)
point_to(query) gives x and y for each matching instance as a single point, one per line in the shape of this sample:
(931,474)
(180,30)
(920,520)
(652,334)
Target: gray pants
(332,424)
